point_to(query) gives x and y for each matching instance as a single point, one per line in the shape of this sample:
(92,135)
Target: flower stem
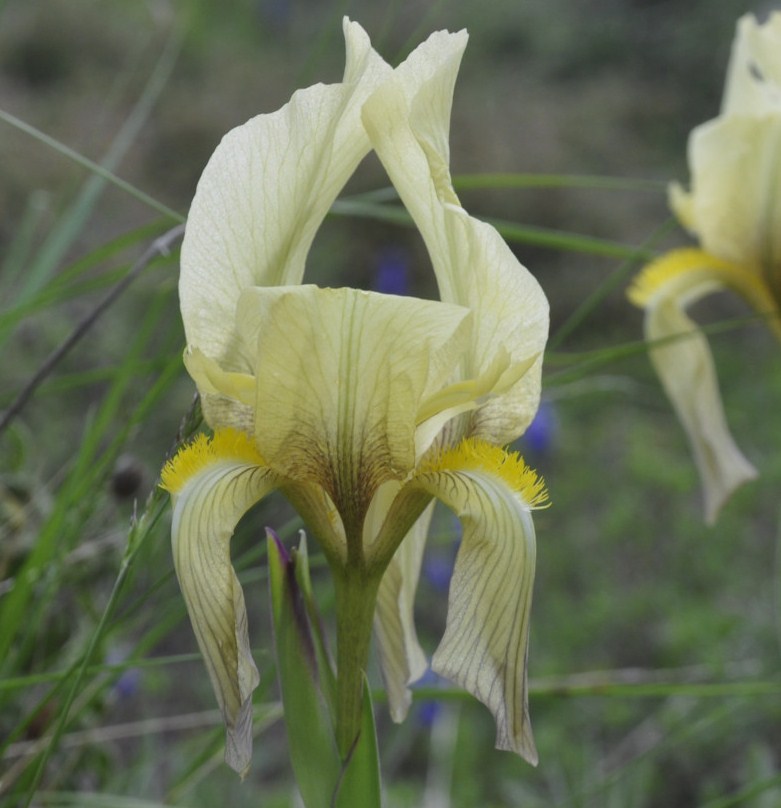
(356,596)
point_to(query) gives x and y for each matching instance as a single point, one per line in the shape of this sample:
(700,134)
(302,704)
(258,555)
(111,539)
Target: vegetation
(655,639)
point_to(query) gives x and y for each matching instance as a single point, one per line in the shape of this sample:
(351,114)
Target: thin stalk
(160,246)
(102,171)
(140,530)
(356,596)
(609,285)
(463,182)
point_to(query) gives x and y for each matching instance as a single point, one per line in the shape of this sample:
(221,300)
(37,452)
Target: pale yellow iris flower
(734,210)
(361,408)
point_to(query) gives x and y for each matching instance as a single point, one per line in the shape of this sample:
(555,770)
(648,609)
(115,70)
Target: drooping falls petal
(212,484)
(473,265)
(341,374)
(265,192)
(690,274)
(485,646)
(402,660)
(683,362)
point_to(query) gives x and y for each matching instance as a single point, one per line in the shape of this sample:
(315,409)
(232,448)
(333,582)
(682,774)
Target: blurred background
(655,639)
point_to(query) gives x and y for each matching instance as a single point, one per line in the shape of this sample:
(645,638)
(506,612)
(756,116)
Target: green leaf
(308,686)
(360,784)
(324,664)
(311,740)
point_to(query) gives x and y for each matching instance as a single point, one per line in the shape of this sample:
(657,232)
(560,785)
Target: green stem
(356,596)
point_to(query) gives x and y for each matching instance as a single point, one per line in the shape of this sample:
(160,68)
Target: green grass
(655,640)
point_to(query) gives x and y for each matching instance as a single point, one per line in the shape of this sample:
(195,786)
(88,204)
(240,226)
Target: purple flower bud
(284,555)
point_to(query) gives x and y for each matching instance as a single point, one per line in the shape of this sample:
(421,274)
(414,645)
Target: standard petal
(402,660)
(341,374)
(263,195)
(473,265)
(213,483)
(486,641)
(681,204)
(512,312)
(427,78)
(735,167)
(753,84)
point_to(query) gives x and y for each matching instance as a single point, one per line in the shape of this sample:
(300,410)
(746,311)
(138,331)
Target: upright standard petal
(486,641)
(263,195)
(753,84)
(473,265)
(341,374)
(213,483)
(735,203)
(682,360)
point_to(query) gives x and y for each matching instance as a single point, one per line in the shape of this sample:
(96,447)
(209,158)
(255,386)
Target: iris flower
(361,408)
(734,210)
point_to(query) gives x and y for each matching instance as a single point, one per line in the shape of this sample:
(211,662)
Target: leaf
(360,783)
(325,666)
(312,744)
